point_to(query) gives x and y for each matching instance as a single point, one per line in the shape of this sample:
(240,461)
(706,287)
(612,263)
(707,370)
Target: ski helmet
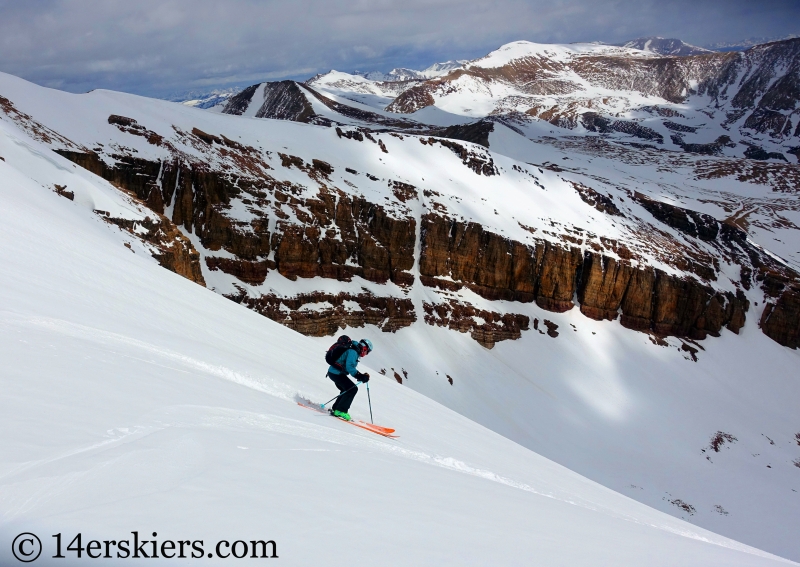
(367,343)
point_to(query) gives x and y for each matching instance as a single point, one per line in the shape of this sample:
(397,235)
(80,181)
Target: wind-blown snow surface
(134,400)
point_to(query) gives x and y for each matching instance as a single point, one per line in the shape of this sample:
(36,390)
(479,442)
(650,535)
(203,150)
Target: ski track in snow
(224,418)
(103,337)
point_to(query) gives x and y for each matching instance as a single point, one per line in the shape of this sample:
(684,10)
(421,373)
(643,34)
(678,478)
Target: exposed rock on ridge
(282,100)
(322,314)
(649,300)
(342,237)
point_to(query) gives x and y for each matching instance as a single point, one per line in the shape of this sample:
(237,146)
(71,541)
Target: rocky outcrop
(284,100)
(363,240)
(757,152)
(781,319)
(594,122)
(139,178)
(602,203)
(339,236)
(651,300)
(478,161)
(359,239)
(682,307)
(476,132)
(496,267)
(238,103)
(172,249)
(413,99)
(322,314)
(248,272)
(692,223)
(486,327)
(604,285)
(455,253)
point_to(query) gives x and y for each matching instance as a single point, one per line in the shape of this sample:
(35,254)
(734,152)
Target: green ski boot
(341,415)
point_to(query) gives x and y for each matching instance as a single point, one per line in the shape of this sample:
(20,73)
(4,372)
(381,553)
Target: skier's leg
(343,383)
(346,399)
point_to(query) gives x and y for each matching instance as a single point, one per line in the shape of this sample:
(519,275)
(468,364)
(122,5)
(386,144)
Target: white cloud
(159,46)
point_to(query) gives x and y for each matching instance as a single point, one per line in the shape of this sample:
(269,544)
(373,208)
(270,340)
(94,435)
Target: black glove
(363,377)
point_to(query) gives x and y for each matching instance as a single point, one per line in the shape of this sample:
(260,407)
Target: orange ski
(380,430)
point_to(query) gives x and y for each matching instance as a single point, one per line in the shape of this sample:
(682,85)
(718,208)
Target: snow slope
(135,400)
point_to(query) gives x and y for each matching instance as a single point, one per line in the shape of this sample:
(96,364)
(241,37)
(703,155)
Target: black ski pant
(344,384)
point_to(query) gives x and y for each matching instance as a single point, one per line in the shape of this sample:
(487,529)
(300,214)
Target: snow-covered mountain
(700,104)
(143,411)
(404,74)
(377,89)
(379,84)
(624,307)
(665,46)
(206,99)
(746,44)
(734,104)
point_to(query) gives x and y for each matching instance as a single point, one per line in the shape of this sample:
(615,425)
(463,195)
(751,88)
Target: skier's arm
(350,362)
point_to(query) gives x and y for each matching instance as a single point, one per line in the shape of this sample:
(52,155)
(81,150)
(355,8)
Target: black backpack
(338,348)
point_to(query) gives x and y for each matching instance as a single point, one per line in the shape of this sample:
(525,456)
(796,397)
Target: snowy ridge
(383,86)
(665,46)
(556,52)
(404,74)
(702,102)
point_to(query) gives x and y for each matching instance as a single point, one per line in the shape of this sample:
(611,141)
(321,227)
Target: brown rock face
(370,243)
(557,278)
(135,175)
(338,236)
(605,281)
(174,251)
(387,313)
(637,301)
(686,309)
(249,272)
(367,241)
(498,268)
(412,100)
(652,300)
(781,320)
(697,225)
(359,238)
(462,318)
(138,176)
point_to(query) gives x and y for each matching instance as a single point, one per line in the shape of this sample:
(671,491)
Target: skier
(346,364)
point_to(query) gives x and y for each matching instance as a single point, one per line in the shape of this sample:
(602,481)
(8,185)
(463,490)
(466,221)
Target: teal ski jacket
(348,360)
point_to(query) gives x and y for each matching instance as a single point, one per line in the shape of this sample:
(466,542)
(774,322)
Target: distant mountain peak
(205,99)
(406,74)
(665,46)
(745,44)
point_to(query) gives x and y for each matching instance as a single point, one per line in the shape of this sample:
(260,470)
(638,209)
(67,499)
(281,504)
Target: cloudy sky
(162,47)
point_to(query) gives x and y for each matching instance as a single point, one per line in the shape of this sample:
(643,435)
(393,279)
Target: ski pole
(370,404)
(342,394)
